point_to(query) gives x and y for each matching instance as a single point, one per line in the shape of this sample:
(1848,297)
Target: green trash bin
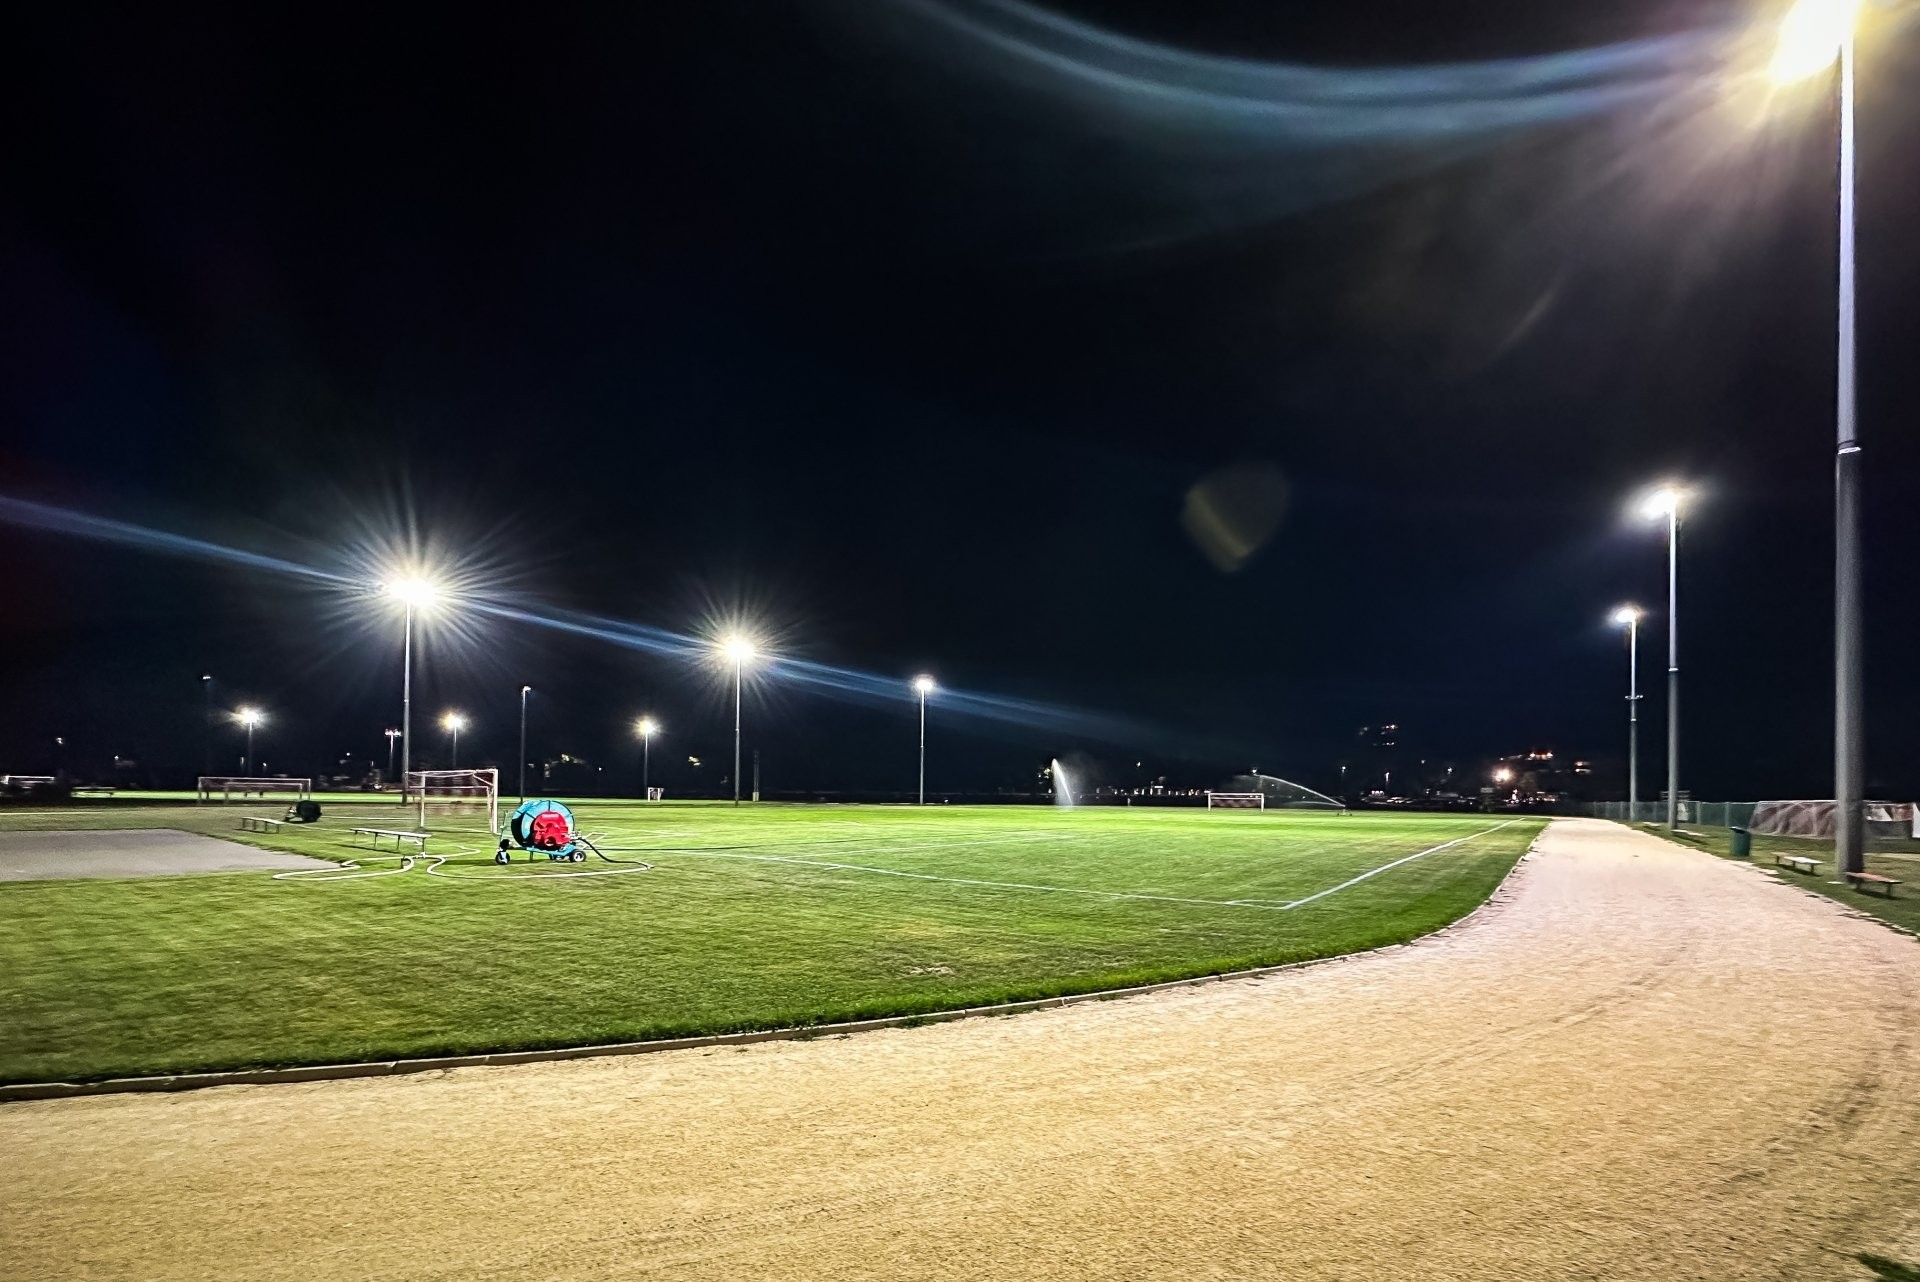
(1742,843)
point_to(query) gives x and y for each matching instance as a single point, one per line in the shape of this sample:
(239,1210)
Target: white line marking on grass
(1266,905)
(1422,854)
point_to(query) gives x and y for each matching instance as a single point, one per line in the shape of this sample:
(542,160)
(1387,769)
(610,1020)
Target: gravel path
(1641,1062)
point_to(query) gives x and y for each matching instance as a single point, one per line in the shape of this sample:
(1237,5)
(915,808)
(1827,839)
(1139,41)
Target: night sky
(815,314)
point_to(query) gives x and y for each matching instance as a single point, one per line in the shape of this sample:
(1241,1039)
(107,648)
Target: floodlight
(413,592)
(1662,502)
(1810,38)
(249,717)
(1628,614)
(923,685)
(453,721)
(646,727)
(1502,775)
(737,648)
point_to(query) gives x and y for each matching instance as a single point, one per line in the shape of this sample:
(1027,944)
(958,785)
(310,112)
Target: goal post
(228,787)
(1236,801)
(456,794)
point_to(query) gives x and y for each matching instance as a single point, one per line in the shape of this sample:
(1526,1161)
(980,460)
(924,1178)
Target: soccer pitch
(750,918)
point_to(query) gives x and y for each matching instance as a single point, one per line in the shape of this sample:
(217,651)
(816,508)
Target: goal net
(230,787)
(456,794)
(1276,793)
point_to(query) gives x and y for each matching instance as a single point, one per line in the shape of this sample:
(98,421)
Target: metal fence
(1708,814)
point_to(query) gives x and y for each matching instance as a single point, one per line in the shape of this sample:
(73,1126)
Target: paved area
(1641,1063)
(132,852)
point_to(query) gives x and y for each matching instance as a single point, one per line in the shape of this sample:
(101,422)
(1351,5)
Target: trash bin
(1742,845)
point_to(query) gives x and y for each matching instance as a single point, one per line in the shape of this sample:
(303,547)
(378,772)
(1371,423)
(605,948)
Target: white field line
(1421,854)
(1268,905)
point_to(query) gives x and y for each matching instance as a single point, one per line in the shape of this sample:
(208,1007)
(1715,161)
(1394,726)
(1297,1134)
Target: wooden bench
(1862,880)
(375,836)
(99,791)
(1799,863)
(259,823)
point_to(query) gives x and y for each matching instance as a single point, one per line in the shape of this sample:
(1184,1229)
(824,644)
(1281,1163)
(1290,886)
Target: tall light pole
(1628,616)
(415,594)
(923,686)
(524,692)
(1665,502)
(1814,36)
(737,650)
(646,728)
(206,724)
(454,723)
(393,737)
(249,717)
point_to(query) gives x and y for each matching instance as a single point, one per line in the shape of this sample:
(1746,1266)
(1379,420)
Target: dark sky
(795,310)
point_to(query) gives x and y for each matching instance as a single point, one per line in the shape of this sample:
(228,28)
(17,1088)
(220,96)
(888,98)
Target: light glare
(1664,501)
(646,727)
(249,717)
(737,648)
(453,721)
(923,684)
(416,592)
(1811,36)
(1627,614)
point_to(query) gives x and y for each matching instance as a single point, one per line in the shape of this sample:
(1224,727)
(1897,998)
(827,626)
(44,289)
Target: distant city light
(1811,35)
(1503,775)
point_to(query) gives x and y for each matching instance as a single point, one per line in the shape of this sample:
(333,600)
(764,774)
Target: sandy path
(1643,1063)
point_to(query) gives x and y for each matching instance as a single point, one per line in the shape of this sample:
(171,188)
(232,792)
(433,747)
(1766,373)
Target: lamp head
(923,685)
(454,721)
(413,591)
(249,717)
(646,727)
(1811,36)
(1627,615)
(1663,502)
(737,648)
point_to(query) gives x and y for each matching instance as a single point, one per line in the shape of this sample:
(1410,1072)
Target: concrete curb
(23,1091)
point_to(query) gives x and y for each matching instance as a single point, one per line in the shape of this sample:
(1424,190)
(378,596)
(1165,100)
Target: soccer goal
(456,794)
(1236,801)
(229,787)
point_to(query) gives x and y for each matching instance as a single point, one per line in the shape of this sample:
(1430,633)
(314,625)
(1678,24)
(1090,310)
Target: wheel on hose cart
(503,856)
(579,856)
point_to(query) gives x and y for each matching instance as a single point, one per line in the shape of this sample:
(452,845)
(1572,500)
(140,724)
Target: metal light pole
(1673,663)
(206,724)
(1630,616)
(412,593)
(248,717)
(736,728)
(923,686)
(646,726)
(524,692)
(454,724)
(1849,688)
(1814,35)
(1666,502)
(393,737)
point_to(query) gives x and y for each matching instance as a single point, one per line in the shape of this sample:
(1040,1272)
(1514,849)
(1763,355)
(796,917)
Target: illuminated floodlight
(646,727)
(454,722)
(1663,502)
(1627,615)
(1811,36)
(1503,775)
(412,592)
(737,648)
(923,685)
(249,717)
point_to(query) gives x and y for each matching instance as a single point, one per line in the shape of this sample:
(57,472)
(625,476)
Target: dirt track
(1642,1063)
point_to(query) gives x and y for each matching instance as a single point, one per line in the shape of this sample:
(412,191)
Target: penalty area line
(1388,867)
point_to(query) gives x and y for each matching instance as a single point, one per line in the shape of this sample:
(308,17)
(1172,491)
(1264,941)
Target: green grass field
(760,917)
